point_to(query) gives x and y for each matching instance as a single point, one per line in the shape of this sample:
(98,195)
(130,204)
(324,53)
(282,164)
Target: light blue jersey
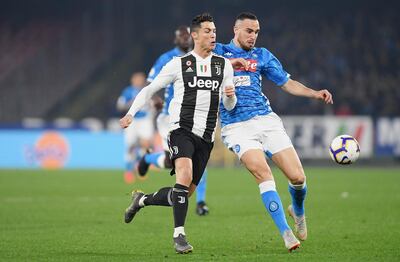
(128,95)
(251,101)
(155,70)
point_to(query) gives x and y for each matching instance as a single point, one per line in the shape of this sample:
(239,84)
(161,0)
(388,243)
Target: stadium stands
(354,52)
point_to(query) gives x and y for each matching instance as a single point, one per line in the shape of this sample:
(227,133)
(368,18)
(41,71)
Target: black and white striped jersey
(198,89)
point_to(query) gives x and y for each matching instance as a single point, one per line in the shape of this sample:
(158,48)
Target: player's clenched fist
(125,121)
(229,91)
(324,95)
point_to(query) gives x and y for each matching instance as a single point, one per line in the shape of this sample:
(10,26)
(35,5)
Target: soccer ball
(344,150)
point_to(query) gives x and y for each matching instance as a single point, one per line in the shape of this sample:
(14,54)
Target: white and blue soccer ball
(344,150)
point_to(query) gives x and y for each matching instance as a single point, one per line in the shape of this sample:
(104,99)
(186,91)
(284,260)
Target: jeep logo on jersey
(204,83)
(252,63)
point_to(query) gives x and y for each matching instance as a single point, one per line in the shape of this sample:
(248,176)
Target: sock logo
(273,206)
(181,200)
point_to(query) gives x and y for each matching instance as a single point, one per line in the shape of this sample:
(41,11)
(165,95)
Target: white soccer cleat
(291,242)
(300,224)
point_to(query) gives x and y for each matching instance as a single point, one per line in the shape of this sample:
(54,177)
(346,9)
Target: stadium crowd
(353,53)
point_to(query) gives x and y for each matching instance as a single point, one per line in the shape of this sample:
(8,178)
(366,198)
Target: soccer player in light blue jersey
(183,44)
(252,129)
(137,139)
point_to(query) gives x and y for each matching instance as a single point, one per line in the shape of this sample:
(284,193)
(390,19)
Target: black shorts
(183,143)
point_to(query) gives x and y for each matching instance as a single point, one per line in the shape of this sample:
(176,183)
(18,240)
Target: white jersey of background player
(137,137)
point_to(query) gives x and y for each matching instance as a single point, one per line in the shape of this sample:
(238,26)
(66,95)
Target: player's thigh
(130,136)
(240,138)
(273,135)
(200,159)
(288,161)
(254,160)
(181,146)
(163,129)
(145,128)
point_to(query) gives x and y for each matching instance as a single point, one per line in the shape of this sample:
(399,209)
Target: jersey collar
(199,57)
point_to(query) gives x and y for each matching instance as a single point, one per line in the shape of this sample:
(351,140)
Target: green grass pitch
(353,214)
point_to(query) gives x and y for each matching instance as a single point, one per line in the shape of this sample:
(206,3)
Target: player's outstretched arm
(140,101)
(166,76)
(298,89)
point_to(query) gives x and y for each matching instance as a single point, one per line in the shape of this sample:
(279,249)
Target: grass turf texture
(353,214)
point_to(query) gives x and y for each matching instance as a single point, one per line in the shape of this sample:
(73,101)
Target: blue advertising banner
(387,137)
(53,149)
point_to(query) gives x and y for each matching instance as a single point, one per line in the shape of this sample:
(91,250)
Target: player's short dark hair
(246,15)
(198,19)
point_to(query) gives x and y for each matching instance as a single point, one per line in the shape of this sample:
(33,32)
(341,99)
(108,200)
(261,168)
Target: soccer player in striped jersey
(252,129)
(183,43)
(201,80)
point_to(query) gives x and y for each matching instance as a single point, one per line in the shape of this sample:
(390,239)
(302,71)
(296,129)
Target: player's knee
(298,177)
(184,175)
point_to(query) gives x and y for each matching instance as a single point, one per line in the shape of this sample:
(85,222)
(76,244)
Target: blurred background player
(252,129)
(137,137)
(183,43)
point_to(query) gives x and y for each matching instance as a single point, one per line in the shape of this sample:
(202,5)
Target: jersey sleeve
(228,74)
(228,102)
(156,68)
(273,69)
(167,75)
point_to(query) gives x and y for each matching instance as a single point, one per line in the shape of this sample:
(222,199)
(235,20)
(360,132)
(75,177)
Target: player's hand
(324,95)
(125,121)
(238,63)
(229,91)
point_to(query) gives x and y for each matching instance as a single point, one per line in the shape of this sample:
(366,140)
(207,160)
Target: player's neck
(203,53)
(237,44)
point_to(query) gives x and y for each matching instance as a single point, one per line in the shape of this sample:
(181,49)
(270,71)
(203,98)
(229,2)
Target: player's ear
(194,35)
(235,29)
